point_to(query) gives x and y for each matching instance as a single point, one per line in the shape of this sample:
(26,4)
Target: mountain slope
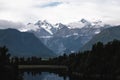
(104,36)
(23,44)
(69,38)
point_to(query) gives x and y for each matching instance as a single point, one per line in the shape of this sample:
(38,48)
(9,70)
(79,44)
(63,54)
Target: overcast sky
(64,11)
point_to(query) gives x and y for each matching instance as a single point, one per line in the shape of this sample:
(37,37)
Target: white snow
(75,33)
(67,36)
(56,26)
(76,25)
(72,51)
(71,35)
(86,24)
(98,24)
(47,29)
(29,28)
(46,36)
(97,32)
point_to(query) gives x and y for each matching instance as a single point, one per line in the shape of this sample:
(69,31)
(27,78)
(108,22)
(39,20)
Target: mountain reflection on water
(43,76)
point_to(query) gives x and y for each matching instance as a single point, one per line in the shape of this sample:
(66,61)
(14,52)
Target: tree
(4,55)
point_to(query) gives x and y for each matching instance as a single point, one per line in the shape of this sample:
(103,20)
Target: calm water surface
(43,76)
(53,76)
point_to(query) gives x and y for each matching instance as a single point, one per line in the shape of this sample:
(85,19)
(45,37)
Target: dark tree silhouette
(4,56)
(8,71)
(102,60)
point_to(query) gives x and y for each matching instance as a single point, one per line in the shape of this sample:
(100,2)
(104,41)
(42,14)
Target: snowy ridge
(65,38)
(51,28)
(29,27)
(48,29)
(86,24)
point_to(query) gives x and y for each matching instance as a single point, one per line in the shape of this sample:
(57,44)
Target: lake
(43,76)
(46,75)
(51,75)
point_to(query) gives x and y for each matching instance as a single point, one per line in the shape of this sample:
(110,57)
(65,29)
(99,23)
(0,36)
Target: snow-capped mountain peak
(66,38)
(98,23)
(29,27)
(45,25)
(84,21)
(79,24)
(39,22)
(44,22)
(59,25)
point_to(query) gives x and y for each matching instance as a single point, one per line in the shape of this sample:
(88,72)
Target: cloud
(51,4)
(4,24)
(64,11)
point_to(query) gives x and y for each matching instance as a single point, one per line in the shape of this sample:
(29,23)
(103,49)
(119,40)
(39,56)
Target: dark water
(43,76)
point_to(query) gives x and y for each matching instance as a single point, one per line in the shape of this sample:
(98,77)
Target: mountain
(104,36)
(23,44)
(79,24)
(62,38)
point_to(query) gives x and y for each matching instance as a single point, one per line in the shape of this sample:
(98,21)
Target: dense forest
(8,71)
(103,61)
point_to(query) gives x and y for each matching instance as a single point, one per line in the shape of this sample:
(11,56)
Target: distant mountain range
(62,38)
(104,36)
(51,38)
(23,44)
